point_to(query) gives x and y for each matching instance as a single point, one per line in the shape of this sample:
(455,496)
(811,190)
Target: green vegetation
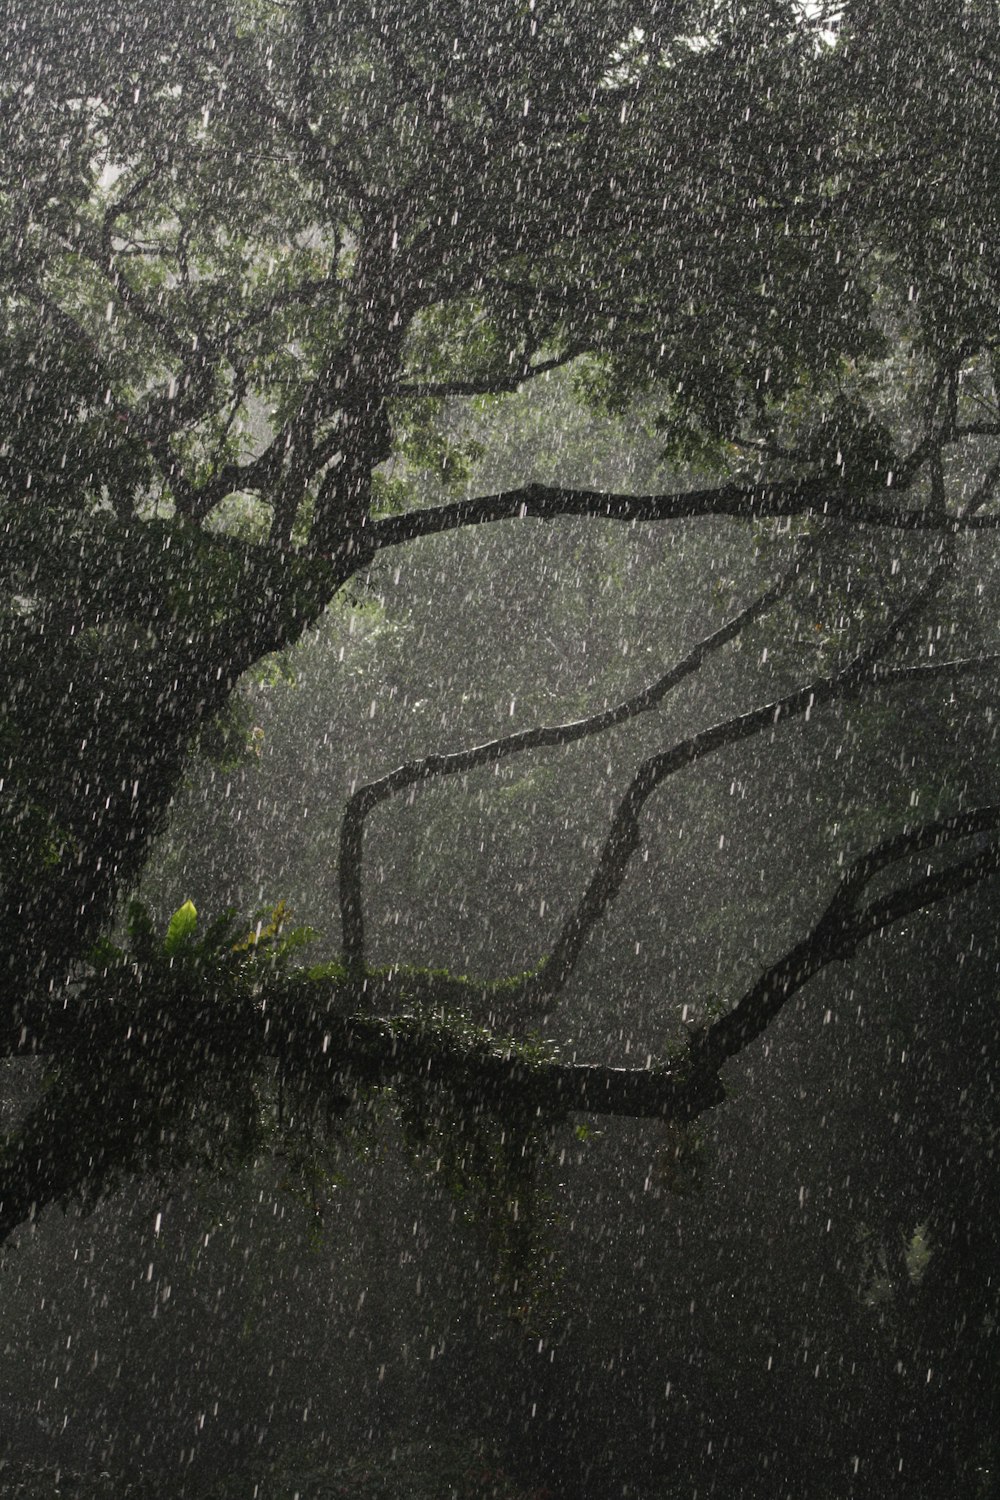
(660,345)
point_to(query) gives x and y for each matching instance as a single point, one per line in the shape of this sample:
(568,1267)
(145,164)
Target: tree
(251,255)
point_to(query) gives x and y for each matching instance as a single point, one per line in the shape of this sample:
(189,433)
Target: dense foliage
(272,277)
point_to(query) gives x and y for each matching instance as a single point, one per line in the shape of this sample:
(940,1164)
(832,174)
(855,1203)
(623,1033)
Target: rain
(499,792)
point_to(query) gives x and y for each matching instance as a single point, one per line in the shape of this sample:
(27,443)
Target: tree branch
(334,1060)
(623,837)
(961,666)
(361,1052)
(497,386)
(745,502)
(984,491)
(108,1122)
(367,797)
(842,928)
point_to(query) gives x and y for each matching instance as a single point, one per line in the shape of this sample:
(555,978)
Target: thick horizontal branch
(745,502)
(367,1052)
(126,1105)
(984,491)
(108,1119)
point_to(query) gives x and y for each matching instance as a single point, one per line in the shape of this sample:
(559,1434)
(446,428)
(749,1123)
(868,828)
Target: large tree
(252,254)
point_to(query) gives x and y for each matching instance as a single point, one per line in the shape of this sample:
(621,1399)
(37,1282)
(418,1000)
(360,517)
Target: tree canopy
(255,257)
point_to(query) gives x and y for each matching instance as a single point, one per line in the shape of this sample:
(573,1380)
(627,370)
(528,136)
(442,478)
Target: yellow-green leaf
(181,928)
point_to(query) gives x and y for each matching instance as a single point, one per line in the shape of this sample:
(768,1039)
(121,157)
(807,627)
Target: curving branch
(411,773)
(844,926)
(960,666)
(103,259)
(744,502)
(624,836)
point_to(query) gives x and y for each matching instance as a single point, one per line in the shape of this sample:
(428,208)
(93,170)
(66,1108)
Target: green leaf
(299,937)
(182,927)
(331,970)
